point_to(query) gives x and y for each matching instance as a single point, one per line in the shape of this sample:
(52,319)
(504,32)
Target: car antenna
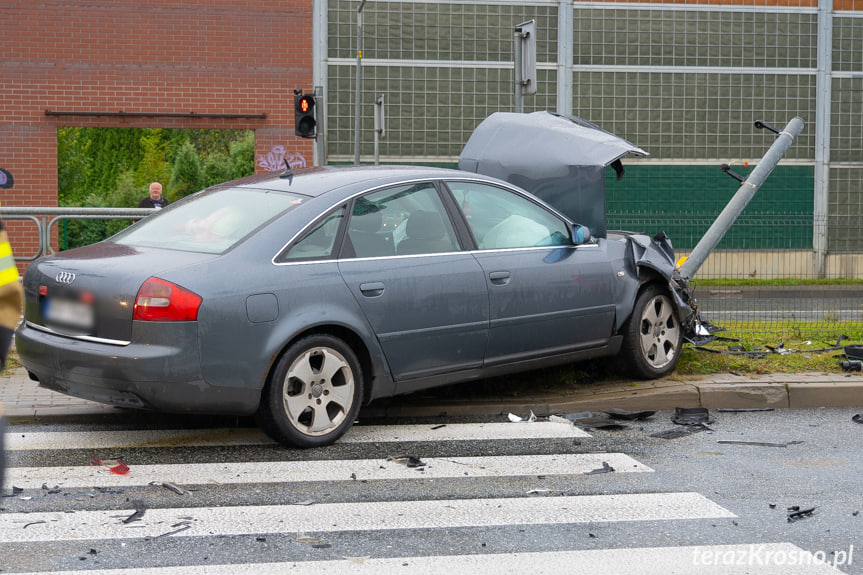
(288,173)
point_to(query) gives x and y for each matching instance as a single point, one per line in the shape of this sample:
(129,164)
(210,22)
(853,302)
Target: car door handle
(499,278)
(372,289)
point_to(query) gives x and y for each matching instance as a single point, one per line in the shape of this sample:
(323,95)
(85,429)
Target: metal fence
(683,80)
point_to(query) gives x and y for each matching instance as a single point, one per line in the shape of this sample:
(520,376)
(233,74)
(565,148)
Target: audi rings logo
(65,277)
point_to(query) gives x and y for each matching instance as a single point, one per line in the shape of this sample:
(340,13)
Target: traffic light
(304,116)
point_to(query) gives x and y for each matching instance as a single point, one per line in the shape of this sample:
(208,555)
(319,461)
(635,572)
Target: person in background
(11,303)
(155,199)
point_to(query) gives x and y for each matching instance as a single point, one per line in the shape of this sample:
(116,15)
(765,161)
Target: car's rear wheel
(652,335)
(314,393)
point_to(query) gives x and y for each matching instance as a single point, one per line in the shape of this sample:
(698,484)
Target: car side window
(317,242)
(402,220)
(501,219)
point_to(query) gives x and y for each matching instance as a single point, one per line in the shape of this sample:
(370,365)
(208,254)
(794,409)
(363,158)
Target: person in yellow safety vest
(11,302)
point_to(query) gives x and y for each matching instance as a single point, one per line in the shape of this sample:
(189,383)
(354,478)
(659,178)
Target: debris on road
(851,365)
(797,513)
(606,468)
(51,490)
(182,526)
(676,433)
(617,413)
(858,418)
(115,466)
(407,460)
(758,443)
(517,419)
(33,523)
(591,420)
(698,416)
(136,516)
(170,487)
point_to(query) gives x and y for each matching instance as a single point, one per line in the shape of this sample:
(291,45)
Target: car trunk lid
(90,292)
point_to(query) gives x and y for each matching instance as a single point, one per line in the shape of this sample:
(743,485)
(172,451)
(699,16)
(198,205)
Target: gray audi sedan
(298,297)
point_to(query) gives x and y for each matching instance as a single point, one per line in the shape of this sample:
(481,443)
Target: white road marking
(337,470)
(767,559)
(19,441)
(379,515)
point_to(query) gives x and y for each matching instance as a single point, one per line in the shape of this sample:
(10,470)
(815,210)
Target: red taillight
(158,300)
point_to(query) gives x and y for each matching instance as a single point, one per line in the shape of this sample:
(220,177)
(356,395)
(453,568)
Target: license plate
(69,313)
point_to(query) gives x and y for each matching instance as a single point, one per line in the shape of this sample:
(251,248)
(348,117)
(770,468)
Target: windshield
(208,222)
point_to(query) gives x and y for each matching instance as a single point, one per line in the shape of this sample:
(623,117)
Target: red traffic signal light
(305,124)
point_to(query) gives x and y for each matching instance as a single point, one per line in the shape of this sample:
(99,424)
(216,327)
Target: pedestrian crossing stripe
(335,470)
(764,559)
(372,516)
(19,441)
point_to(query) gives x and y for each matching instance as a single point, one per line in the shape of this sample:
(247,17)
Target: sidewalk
(22,399)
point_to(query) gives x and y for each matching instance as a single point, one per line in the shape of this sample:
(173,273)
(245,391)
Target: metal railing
(40,217)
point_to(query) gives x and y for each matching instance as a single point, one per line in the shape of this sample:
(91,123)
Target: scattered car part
(699,416)
(606,468)
(797,513)
(758,443)
(617,413)
(851,365)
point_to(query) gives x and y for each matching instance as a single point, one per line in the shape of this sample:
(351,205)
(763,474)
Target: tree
(187,175)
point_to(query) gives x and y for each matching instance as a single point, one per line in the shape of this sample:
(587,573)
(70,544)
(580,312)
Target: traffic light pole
(320,156)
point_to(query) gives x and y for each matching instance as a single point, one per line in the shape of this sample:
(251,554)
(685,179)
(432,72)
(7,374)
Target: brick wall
(150,56)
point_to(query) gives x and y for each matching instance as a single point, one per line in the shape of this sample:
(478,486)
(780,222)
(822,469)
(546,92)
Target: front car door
(425,298)
(548,296)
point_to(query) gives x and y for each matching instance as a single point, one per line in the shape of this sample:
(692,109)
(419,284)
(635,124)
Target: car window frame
(305,232)
(568,224)
(447,212)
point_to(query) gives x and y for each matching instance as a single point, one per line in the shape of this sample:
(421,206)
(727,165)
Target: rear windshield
(208,222)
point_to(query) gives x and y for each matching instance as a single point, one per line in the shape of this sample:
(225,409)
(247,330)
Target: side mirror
(580,234)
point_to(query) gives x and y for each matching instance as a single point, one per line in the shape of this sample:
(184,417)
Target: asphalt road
(491,495)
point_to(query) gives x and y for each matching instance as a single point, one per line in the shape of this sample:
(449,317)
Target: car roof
(320,180)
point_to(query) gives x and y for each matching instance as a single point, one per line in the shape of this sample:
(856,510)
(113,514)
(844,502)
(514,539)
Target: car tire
(652,336)
(314,393)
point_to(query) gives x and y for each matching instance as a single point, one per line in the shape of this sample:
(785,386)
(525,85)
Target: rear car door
(424,297)
(547,295)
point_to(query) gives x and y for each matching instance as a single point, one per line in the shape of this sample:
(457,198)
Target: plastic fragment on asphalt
(516,419)
(115,466)
(590,420)
(305,538)
(174,488)
(33,523)
(606,468)
(180,527)
(798,513)
(617,413)
(407,460)
(539,492)
(691,416)
(858,418)
(676,433)
(305,503)
(136,516)
(758,443)
(51,490)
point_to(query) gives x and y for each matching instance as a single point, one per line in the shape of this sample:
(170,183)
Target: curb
(24,402)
